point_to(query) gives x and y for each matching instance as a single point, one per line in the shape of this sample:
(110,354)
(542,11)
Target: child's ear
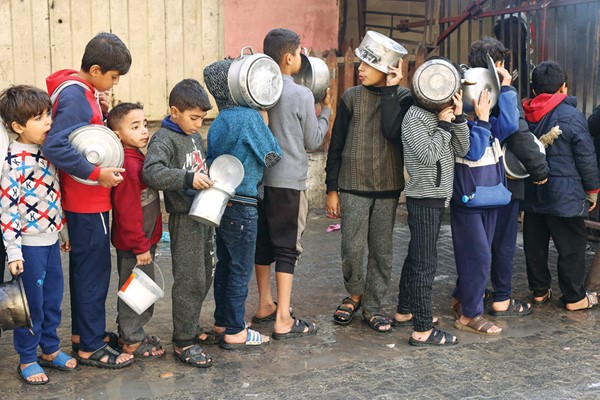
(563,88)
(95,70)
(289,58)
(118,134)
(174,111)
(17,127)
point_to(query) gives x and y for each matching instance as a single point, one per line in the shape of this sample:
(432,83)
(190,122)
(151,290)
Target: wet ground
(551,354)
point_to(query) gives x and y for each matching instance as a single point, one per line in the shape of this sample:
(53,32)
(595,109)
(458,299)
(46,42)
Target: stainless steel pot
(477,79)
(434,83)
(314,74)
(99,145)
(514,168)
(14,309)
(255,80)
(379,51)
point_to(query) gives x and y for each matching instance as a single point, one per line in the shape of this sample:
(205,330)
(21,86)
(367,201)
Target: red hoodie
(540,105)
(75,106)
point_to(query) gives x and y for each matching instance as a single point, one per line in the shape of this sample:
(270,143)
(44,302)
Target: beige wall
(169,40)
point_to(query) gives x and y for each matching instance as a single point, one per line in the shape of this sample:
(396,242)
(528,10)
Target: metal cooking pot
(14,310)
(313,74)
(379,51)
(477,79)
(255,80)
(434,83)
(100,146)
(514,168)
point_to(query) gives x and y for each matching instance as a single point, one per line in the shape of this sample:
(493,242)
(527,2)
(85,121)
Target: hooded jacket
(571,158)
(76,106)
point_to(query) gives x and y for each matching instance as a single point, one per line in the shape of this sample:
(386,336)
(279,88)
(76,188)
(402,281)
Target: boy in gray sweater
(283,211)
(175,163)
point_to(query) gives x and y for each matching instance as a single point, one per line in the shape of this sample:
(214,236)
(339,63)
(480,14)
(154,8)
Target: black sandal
(516,308)
(104,351)
(435,339)
(376,321)
(343,314)
(195,357)
(113,341)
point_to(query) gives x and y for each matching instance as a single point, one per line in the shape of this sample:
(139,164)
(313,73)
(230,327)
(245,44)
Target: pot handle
(304,51)
(244,49)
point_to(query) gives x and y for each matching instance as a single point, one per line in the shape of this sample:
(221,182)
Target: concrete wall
(247,22)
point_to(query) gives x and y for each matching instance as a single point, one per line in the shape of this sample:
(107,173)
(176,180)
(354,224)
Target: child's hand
(104,99)
(144,258)
(483,105)
(447,114)
(395,75)
(66,246)
(110,177)
(458,103)
(15,267)
(505,76)
(202,181)
(332,204)
(326,102)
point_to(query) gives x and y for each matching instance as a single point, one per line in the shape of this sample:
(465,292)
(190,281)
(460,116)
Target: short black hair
(22,102)
(548,77)
(280,41)
(189,94)
(108,52)
(119,112)
(488,45)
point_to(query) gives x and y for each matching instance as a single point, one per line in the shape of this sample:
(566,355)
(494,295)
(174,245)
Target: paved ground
(551,354)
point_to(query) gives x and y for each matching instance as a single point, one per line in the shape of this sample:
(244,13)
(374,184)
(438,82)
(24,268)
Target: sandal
(456,310)
(104,351)
(254,339)
(343,314)
(592,300)
(516,308)
(113,341)
(545,298)
(31,370)
(409,322)
(478,325)
(297,330)
(147,346)
(435,339)
(211,338)
(58,362)
(195,357)
(488,295)
(376,321)
(269,318)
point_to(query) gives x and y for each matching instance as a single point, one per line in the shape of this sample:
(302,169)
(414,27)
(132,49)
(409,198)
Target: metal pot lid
(227,172)
(99,145)
(435,82)
(265,83)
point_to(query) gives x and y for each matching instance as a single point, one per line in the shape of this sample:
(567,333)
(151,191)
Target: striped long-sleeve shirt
(429,149)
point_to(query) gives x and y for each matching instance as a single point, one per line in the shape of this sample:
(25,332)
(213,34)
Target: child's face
(35,129)
(370,76)
(104,81)
(189,120)
(133,130)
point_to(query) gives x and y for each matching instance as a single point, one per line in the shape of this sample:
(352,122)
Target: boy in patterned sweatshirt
(31,221)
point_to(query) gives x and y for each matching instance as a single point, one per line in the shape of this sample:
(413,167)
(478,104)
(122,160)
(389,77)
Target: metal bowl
(379,51)
(477,79)
(314,74)
(434,83)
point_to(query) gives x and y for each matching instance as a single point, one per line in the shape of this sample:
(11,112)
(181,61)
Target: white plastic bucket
(139,291)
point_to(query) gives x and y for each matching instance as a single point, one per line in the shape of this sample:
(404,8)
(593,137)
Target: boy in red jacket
(136,225)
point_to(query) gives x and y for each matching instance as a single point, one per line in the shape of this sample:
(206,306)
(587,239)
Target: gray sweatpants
(193,255)
(367,225)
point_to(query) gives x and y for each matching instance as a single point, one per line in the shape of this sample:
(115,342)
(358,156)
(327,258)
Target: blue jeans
(236,242)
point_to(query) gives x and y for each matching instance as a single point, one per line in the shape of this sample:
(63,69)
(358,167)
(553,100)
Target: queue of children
(378,128)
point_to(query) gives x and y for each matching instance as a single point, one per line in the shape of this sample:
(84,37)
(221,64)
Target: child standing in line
(81,98)
(31,222)
(241,132)
(136,225)
(364,181)
(175,163)
(284,209)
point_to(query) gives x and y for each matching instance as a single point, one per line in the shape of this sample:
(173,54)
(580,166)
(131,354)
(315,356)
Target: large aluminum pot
(514,168)
(477,79)
(434,83)
(255,80)
(379,51)
(14,310)
(100,146)
(313,74)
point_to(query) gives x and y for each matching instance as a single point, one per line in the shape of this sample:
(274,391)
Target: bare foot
(41,377)
(153,350)
(465,321)
(266,310)
(407,317)
(71,363)
(121,358)
(242,337)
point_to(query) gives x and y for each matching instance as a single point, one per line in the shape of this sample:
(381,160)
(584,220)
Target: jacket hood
(536,108)
(53,81)
(215,78)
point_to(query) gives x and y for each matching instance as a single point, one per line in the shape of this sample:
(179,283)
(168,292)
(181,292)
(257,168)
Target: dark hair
(548,77)
(487,45)
(280,41)
(119,112)
(108,52)
(189,94)
(22,102)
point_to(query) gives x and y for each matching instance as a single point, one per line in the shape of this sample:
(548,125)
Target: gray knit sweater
(429,149)
(297,128)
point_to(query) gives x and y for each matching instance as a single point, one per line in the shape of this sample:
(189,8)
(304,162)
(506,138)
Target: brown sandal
(456,310)
(478,325)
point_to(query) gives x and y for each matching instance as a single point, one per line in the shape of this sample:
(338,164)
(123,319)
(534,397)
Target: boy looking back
(136,225)
(80,98)
(175,163)
(283,211)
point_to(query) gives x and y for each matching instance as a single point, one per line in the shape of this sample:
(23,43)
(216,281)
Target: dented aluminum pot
(477,79)
(379,51)
(434,83)
(14,309)
(314,74)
